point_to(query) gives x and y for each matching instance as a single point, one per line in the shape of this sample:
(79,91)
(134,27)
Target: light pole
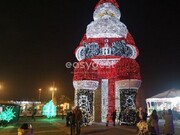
(53,89)
(40,94)
(0,88)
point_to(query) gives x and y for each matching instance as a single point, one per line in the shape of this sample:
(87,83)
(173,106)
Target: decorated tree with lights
(107,76)
(49,109)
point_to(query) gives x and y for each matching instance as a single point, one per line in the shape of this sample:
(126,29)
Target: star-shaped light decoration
(7,114)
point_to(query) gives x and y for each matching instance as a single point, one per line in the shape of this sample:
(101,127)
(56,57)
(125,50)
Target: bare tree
(63,99)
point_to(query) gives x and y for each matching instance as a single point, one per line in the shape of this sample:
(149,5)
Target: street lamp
(40,94)
(1,86)
(53,89)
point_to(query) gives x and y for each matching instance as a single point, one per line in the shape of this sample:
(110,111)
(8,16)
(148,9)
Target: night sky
(37,38)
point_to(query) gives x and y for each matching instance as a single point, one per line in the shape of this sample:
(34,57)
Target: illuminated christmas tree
(107,75)
(49,109)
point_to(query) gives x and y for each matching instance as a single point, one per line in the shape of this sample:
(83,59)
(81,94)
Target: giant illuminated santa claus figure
(107,76)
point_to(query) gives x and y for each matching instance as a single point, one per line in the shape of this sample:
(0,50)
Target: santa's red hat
(114,2)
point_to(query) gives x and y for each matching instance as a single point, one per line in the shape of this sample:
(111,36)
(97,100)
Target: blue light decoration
(7,114)
(49,109)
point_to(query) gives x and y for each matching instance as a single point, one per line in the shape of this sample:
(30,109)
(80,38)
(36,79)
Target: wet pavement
(56,126)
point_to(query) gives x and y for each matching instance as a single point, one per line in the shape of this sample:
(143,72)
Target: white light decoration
(134,51)
(86,84)
(106,27)
(127,104)
(92,49)
(106,62)
(104,99)
(130,101)
(128,84)
(106,9)
(106,23)
(83,101)
(80,54)
(75,97)
(117,98)
(106,50)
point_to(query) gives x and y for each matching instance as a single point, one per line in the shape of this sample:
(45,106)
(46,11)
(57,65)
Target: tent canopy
(168,94)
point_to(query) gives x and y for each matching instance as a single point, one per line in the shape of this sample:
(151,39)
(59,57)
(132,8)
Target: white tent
(171,93)
(169,99)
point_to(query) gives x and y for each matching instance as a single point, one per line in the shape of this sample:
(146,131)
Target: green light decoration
(49,109)
(7,114)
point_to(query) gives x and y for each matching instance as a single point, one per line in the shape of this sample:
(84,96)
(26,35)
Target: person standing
(113,115)
(62,116)
(78,118)
(145,114)
(72,122)
(68,119)
(108,118)
(153,126)
(34,113)
(168,125)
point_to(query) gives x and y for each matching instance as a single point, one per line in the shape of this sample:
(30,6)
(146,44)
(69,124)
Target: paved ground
(42,126)
(101,129)
(56,126)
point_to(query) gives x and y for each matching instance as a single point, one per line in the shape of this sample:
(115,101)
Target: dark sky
(37,38)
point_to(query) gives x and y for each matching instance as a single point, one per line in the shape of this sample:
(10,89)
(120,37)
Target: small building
(26,107)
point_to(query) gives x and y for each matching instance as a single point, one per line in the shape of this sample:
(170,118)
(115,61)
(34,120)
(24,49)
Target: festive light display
(127,103)
(7,114)
(49,109)
(85,100)
(106,56)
